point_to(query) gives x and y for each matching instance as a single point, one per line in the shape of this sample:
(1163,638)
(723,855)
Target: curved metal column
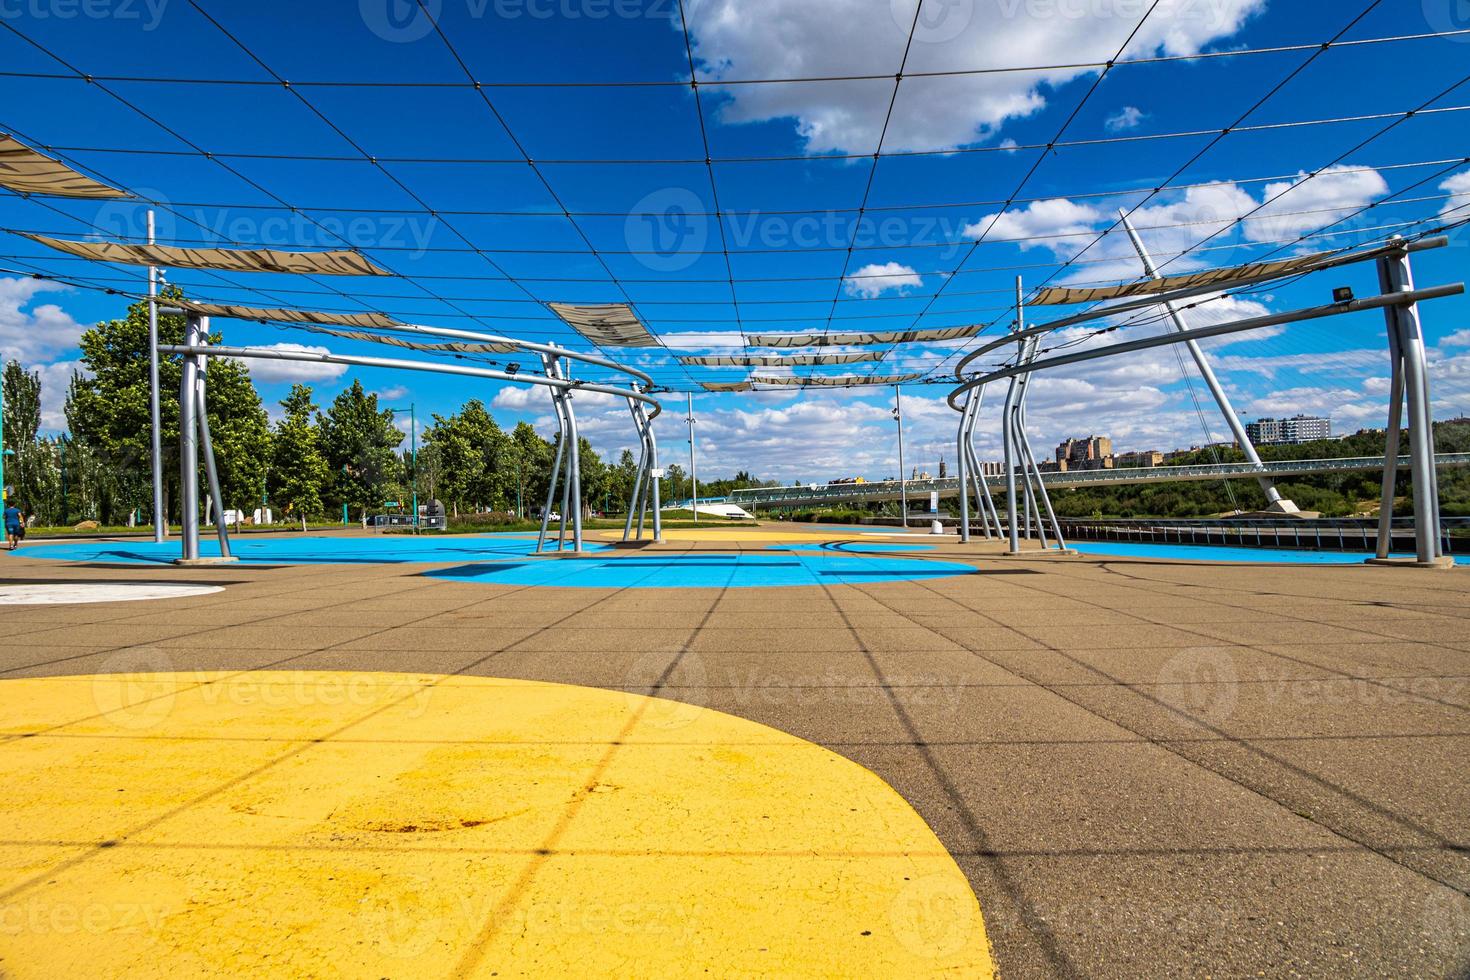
(189,449)
(574,471)
(636,492)
(561,421)
(206,445)
(962,461)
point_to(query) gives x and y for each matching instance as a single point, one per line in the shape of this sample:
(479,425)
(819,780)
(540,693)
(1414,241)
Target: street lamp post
(903,484)
(693,473)
(413,455)
(155,426)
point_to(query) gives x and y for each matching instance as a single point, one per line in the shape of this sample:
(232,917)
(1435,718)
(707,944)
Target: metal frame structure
(566,470)
(1274,500)
(194,436)
(1399,301)
(646,478)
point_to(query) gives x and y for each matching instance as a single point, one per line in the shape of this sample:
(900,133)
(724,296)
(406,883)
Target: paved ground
(1144,768)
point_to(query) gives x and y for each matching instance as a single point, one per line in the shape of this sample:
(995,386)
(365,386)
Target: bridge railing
(949,487)
(1345,534)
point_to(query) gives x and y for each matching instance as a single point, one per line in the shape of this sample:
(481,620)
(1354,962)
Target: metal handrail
(949,486)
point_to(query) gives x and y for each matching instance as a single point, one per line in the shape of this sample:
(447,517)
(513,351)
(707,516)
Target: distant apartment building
(1091,453)
(1147,459)
(1288,432)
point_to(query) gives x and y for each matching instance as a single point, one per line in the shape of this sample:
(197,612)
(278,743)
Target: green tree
(534,455)
(359,440)
(299,471)
(31,468)
(109,419)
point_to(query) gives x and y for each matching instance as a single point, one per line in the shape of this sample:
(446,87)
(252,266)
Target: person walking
(15,525)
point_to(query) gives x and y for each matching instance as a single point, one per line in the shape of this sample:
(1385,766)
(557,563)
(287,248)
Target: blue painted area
(852,547)
(699,571)
(307,549)
(1191,552)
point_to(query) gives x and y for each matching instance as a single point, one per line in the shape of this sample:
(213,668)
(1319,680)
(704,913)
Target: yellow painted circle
(401,825)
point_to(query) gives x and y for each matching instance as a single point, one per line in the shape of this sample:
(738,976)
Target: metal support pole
(962,462)
(1044,498)
(693,473)
(1274,499)
(654,479)
(574,474)
(636,492)
(155,425)
(1421,425)
(189,449)
(903,480)
(413,461)
(206,445)
(1395,422)
(982,487)
(1008,453)
(550,365)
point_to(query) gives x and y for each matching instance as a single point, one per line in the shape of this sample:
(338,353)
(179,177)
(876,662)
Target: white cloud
(392,393)
(1125,119)
(39,334)
(294,371)
(519,398)
(874,279)
(1334,193)
(1180,221)
(1458,187)
(734,39)
(1039,220)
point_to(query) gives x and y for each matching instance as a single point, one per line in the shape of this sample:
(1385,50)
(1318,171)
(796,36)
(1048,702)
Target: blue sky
(394,152)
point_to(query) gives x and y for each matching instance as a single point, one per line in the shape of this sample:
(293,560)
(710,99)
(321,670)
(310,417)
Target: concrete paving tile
(484,639)
(797,639)
(1112,796)
(1286,633)
(822,715)
(1326,913)
(1392,659)
(991,714)
(944,667)
(114,634)
(1125,636)
(561,639)
(631,670)
(891,638)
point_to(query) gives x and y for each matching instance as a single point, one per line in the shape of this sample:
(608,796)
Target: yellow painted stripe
(366,824)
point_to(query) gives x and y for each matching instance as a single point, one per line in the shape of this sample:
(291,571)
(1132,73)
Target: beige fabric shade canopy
(844,381)
(23,169)
(369,321)
(927,335)
(223,259)
(726,385)
(779,360)
(606,324)
(1221,278)
(439,347)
